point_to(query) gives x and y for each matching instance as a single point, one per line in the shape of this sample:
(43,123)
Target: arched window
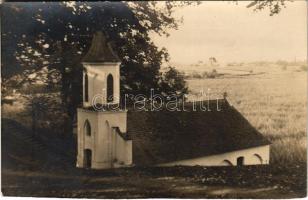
(87,128)
(109,88)
(240,161)
(226,163)
(258,158)
(86,87)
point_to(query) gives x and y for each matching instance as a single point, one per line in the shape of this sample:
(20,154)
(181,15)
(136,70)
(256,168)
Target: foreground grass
(273,103)
(159,182)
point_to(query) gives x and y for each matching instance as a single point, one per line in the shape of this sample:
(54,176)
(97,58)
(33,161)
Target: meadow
(274,102)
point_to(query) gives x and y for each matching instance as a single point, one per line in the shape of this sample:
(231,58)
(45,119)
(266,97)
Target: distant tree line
(202,75)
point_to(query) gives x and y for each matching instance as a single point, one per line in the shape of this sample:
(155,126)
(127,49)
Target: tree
(213,61)
(56,35)
(273,6)
(173,83)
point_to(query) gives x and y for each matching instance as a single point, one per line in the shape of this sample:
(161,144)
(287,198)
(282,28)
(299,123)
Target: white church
(124,138)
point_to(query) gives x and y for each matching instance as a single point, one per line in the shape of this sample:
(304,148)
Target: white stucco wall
(106,145)
(123,150)
(105,155)
(84,141)
(218,160)
(97,82)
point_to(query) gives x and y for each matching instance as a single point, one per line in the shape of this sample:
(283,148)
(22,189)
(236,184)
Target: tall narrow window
(109,88)
(86,88)
(87,128)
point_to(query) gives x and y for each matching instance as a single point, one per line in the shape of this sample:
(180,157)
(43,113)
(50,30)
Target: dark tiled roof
(100,50)
(164,136)
(122,135)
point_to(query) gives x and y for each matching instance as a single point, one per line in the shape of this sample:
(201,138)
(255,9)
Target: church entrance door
(87,158)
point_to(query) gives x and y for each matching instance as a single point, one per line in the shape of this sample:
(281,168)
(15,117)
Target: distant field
(242,68)
(274,103)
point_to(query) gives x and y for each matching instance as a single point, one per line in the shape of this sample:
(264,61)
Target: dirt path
(127,185)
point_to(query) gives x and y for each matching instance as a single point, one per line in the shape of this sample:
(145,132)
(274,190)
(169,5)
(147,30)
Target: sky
(231,32)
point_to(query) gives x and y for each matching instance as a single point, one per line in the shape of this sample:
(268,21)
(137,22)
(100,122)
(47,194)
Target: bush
(212,74)
(48,115)
(196,75)
(173,83)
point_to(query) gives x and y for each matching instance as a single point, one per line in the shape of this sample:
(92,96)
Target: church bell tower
(101,76)
(102,140)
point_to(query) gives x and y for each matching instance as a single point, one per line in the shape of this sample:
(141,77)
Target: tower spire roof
(100,50)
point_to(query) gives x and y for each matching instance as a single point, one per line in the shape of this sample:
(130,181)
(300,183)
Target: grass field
(274,103)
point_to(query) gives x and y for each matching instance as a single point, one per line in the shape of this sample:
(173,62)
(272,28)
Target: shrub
(212,74)
(196,75)
(48,115)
